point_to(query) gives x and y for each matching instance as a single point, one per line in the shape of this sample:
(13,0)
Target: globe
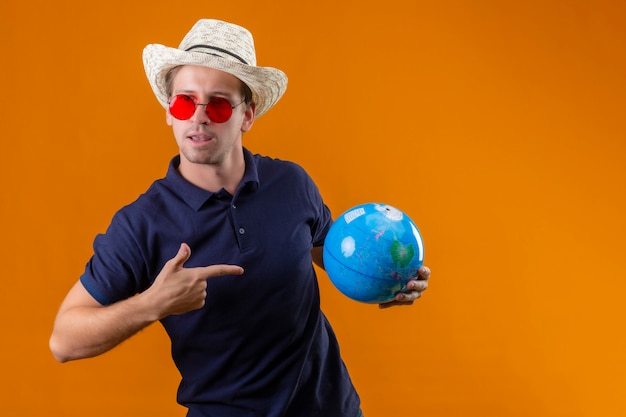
(372,251)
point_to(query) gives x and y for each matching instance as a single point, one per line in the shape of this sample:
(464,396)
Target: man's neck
(214,177)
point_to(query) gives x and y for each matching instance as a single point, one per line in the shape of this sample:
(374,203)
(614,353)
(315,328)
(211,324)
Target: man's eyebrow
(215,93)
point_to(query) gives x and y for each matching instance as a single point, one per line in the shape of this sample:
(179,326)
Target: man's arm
(317,253)
(84,328)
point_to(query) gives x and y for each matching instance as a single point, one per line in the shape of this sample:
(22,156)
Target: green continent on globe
(401,254)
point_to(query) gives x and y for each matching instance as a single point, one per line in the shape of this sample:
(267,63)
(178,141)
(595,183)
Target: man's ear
(248,118)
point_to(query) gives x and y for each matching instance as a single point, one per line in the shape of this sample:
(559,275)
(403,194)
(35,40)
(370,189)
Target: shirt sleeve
(322,215)
(116,270)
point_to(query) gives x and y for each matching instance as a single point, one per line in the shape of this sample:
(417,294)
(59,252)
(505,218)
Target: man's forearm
(87,331)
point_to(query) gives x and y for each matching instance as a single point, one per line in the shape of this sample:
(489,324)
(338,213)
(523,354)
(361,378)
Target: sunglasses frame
(206,105)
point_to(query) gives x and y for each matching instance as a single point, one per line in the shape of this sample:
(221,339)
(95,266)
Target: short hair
(169,81)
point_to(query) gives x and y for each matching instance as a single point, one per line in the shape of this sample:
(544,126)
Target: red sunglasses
(218,109)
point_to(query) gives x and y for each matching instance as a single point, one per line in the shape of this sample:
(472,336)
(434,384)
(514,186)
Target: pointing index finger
(221,270)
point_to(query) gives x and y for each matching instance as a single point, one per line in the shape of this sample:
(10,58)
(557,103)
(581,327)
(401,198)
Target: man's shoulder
(151,202)
(268,164)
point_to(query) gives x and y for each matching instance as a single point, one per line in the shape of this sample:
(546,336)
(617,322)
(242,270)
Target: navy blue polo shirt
(260,346)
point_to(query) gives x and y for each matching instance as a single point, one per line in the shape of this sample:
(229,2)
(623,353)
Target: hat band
(216,49)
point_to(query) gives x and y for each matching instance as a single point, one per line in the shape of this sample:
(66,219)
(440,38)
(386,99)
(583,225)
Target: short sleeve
(116,270)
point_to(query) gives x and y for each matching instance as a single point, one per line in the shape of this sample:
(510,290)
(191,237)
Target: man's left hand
(414,290)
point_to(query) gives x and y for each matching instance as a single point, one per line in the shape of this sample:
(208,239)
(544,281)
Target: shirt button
(242,230)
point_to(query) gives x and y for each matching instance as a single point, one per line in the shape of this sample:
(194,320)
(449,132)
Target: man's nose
(200,115)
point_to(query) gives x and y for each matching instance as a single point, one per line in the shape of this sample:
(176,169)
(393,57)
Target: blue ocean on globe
(372,251)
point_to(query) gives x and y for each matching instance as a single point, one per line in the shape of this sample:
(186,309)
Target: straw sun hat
(219,45)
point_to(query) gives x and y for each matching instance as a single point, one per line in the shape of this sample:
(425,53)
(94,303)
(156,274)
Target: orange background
(498,126)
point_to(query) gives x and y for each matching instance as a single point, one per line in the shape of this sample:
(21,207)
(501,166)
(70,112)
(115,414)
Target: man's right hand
(84,328)
(180,290)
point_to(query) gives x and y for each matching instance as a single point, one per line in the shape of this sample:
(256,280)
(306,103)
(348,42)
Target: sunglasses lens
(182,107)
(219,109)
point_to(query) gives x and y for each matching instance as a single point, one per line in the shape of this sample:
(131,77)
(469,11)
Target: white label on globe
(353,214)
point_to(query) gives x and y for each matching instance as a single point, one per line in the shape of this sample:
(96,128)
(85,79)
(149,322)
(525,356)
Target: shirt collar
(195,196)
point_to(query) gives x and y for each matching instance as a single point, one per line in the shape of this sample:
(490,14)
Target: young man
(219,251)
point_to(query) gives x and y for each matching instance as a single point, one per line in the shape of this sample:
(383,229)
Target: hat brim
(266,83)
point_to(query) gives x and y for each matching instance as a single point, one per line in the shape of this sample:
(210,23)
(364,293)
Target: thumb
(184,252)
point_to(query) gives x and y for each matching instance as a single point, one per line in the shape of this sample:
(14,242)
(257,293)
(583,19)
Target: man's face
(202,141)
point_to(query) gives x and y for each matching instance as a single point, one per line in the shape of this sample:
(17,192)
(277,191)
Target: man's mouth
(199,137)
